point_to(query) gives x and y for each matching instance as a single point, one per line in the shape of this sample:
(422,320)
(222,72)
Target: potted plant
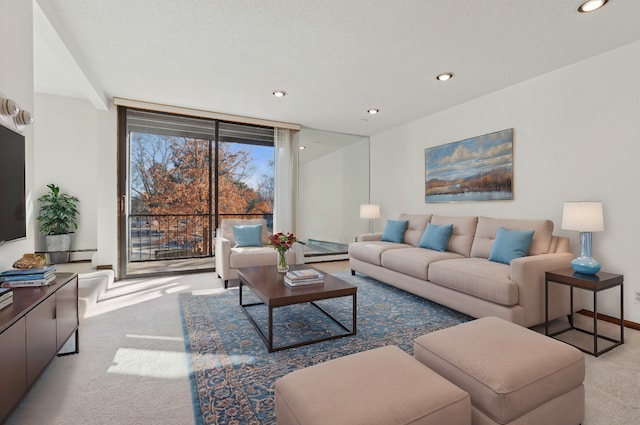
(58,219)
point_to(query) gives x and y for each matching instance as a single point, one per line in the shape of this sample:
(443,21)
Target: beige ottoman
(380,386)
(514,375)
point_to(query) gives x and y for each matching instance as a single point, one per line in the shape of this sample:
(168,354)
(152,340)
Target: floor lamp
(370,211)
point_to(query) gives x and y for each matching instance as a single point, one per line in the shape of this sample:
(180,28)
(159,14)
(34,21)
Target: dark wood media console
(32,331)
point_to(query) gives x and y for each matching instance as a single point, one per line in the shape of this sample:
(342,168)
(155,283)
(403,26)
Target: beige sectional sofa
(462,277)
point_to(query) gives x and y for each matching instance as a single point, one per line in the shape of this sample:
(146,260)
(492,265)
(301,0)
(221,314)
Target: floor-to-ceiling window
(179,176)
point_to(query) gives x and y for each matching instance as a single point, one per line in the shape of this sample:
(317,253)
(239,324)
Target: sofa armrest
(369,237)
(528,273)
(222,255)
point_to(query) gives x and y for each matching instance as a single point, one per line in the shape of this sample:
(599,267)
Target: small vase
(283,267)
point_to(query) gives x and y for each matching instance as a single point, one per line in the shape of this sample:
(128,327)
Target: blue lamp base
(585,265)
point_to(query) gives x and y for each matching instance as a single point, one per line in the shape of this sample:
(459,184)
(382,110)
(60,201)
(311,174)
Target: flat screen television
(13,223)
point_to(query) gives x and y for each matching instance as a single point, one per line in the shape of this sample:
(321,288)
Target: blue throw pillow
(248,235)
(510,244)
(436,236)
(394,231)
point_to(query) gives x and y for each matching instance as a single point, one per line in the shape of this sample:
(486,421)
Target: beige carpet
(132,367)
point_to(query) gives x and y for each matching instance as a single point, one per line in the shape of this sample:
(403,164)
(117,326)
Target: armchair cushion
(248,235)
(226,228)
(253,256)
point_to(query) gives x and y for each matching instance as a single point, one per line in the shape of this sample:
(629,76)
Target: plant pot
(58,247)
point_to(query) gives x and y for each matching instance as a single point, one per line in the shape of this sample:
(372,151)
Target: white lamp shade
(369,211)
(583,216)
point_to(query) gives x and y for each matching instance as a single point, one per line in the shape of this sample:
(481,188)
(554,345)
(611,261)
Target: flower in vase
(281,242)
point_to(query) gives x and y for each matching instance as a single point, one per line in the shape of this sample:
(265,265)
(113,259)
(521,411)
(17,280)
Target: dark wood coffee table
(268,285)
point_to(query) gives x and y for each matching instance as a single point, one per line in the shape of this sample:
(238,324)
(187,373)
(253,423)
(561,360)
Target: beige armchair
(229,258)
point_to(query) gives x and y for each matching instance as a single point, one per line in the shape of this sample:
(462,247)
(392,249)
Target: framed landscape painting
(475,169)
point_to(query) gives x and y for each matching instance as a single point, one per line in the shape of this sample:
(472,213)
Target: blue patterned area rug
(233,374)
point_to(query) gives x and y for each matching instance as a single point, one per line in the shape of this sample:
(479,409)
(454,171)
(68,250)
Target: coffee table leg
(270,330)
(355,307)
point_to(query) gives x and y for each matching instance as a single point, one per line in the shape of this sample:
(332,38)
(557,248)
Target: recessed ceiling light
(591,5)
(444,76)
(373,111)
(279,93)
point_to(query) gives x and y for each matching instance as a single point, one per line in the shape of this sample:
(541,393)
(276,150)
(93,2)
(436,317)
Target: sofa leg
(570,317)
(353,272)
(226,284)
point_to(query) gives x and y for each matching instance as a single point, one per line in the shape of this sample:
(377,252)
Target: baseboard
(605,318)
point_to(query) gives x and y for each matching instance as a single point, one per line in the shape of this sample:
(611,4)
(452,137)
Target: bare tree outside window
(171,188)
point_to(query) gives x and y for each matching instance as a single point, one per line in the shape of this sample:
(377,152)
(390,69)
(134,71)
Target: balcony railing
(176,236)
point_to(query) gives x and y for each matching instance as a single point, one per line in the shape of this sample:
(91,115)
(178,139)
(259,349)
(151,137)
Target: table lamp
(584,217)
(370,211)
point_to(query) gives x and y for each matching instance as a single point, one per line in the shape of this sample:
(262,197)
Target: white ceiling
(335,58)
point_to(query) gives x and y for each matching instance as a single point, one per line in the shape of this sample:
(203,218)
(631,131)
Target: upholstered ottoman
(514,375)
(383,386)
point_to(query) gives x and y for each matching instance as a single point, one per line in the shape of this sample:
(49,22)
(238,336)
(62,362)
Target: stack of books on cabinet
(303,277)
(19,278)
(6,297)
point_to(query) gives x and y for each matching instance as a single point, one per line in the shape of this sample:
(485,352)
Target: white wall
(107,205)
(16,81)
(66,153)
(65,130)
(332,187)
(76,149)
(575,138)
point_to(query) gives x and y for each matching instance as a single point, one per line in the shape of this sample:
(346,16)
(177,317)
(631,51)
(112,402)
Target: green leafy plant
(58,213)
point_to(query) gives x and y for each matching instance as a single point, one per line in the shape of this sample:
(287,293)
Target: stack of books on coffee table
(6,297)
(18,278)
(303,277)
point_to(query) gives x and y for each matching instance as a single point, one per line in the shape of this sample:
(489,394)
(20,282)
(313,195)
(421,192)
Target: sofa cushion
(464,228)
(414,261)
(436,237)
(394,231)
(488,227)
(478,277)
(248,235)
(371,251)
(415,227)
(510,244)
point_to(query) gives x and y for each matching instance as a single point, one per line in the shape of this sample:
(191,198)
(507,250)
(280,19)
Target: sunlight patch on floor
(178,288)
(150,363)
(134,291)
(156,337)
(124,286)
(110,305)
